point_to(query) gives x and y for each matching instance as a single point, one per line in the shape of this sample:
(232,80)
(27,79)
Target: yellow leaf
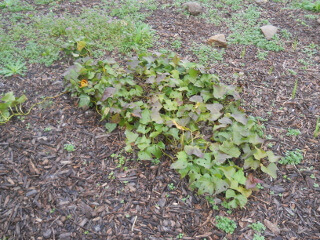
(81,45)
(179,126)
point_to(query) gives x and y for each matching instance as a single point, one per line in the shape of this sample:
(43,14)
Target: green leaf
(145,117)
(196,98)
(240,117)
(8,97)
(259,153)
(155,150)
(272,157)
(242,200)
(219,91)
(182,161)
(143,142)
(206,163)
(229,148)
(84,100)
(110,126)
(21,99)
(144,155)
(230,193)
(239,177)
(193,150)
(271,169)
(131,137)
(251,163)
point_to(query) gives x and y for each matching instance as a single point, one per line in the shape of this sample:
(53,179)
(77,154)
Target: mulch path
(49,193)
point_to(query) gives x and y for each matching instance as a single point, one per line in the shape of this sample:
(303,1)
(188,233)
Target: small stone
(261,1)
(269,31)
(218,40)
(47,234)
(193,8)
(318,20)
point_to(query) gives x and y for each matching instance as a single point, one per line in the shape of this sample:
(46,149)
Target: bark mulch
(92,193)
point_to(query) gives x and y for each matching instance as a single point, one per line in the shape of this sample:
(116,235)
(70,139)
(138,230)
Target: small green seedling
(17,68)
(293,132)
(294,90)
(180,236)
(316,132)
(171,186)
(258,227)
(292,157)
(257,236)
(47,129)
(225,224)
(69,147)
(315,185)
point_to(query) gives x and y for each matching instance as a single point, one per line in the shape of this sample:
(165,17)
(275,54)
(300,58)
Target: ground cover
(63,176)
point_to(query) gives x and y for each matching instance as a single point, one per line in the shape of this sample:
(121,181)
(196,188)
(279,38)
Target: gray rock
(269,31)
(218,40)
(47,234)
(193,8)
(261,1)
(318,20)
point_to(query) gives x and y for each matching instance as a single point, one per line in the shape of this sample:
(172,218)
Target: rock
(218,40)
(269,31)
(193,8)
(261,1)
(47,234)
(318,20)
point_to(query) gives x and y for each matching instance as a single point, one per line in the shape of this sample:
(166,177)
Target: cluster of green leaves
(246,30)
(40,38)
(10,106)
(310,5)
(258,228)
(292,157)
(225,224)
(168,104)
(15,5)
(316,132)
(207,54)
(13,68)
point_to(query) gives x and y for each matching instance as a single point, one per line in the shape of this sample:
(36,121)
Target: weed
(258,227)
(292,72)
(207,54)
(259,186)
(293,132)
(312,176)
(316,132)
(309,5)
(120,159)
(294,90)
(176,44)
(257,236)
(180,236)
(310,16)
(286,34)
(14,68)
(315,185)
(292,157)
(69,147)
(171,186)
(52,210)
(261,55)
(225,224)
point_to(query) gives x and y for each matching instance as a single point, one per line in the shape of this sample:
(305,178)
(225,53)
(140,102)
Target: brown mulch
(49,193)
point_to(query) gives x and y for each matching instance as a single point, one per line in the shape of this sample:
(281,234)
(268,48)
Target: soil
(49,193)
